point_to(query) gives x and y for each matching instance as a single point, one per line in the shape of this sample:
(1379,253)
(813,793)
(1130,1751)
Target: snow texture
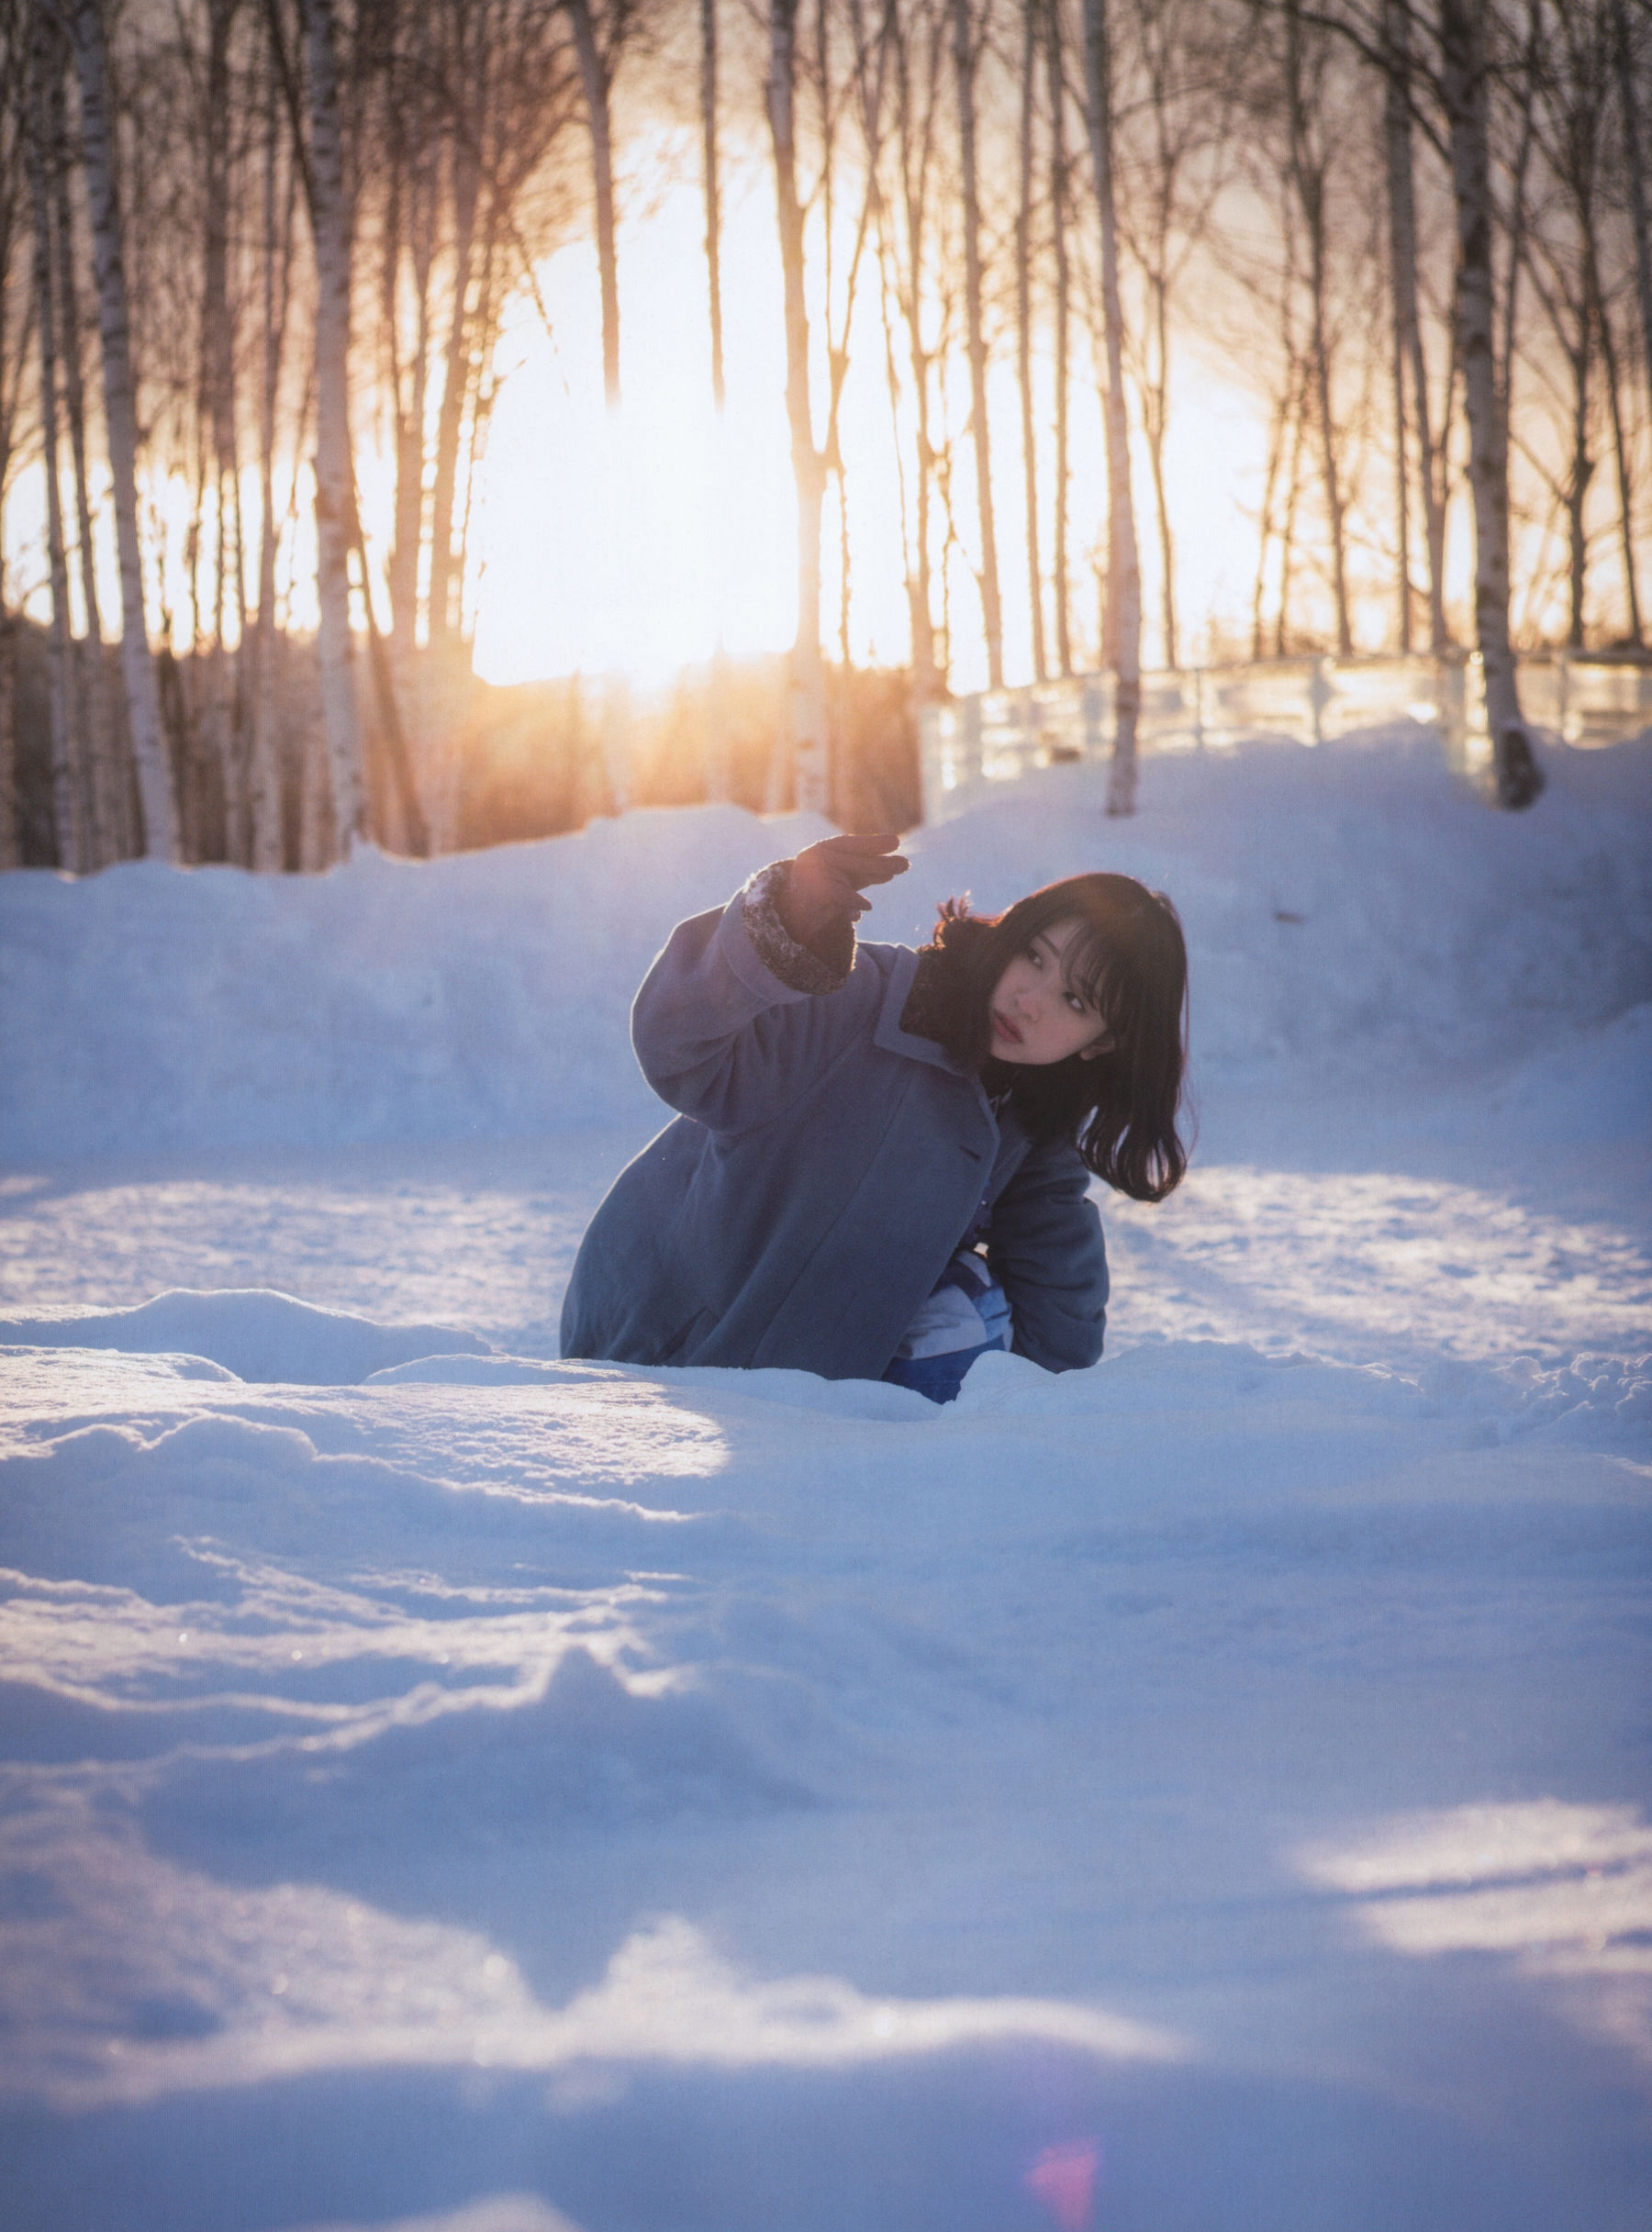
(447,1788)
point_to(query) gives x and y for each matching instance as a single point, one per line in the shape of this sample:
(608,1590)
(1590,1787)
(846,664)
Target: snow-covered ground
(443,1785)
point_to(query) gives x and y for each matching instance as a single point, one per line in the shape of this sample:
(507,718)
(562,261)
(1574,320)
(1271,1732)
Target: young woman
(881,1160)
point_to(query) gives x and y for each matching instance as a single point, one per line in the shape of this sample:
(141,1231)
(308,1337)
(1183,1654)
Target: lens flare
(1063,2179)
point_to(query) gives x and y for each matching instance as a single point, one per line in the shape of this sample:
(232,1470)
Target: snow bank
(1185,1761)
(254,1335)
(1351,908)
(450,1789)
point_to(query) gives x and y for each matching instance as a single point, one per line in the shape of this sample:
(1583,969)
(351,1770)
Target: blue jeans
(940,1377)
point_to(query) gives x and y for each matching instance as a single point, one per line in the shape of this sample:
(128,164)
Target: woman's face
(1036,1015)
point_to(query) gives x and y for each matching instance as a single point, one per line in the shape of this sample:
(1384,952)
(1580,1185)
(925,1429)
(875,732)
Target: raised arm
(746,1006)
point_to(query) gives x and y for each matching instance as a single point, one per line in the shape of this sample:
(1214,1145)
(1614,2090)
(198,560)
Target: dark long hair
(1129,959)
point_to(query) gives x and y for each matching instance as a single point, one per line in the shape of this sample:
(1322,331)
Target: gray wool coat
(823,1166)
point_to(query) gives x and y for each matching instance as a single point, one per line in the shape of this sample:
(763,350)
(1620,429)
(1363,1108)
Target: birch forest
(1368,281)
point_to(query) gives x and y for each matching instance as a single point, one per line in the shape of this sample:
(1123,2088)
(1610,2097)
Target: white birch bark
(335,495)
(720,774)
(807,725)
(1464,87)
(449,419)
(1308,174)
(68,803)
(594,84)
(1635,150)
(107,786)
(1124,571)
(1023,340)
(1408,328)
(963,66)
(1056,71)
(150,754)
(264,776)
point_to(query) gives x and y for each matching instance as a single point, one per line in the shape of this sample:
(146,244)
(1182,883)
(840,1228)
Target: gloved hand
(824,891)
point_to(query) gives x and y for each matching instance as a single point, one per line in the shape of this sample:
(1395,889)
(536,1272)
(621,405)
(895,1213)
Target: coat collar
(889,1034)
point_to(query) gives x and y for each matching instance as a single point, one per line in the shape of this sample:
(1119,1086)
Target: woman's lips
(1006,1029)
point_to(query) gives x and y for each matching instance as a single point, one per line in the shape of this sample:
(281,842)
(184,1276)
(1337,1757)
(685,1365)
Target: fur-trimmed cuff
(798,967)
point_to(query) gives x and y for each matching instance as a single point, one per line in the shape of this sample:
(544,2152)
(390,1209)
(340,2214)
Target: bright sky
(636,543)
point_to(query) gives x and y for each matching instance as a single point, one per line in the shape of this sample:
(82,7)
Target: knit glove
(824,891)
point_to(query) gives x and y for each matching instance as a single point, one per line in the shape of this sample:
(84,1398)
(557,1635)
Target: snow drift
(450,1788)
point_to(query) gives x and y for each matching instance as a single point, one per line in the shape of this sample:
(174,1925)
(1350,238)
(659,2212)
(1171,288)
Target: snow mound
(798,1391)
(250,1332)
(1352,906)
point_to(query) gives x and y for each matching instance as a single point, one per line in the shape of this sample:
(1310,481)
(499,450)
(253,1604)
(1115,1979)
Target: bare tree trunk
(120,428)
(1609,357)
(713,201)
(1623,58)
(416,834)
(1582,472)
(1157,410)
(217,380)
(68,802)
(719,766)
(594,80)
(1124,573)
(916,148)
(1058,221)
(1308,176)
(1300,375)
(335,467)
(808,730)
(410,431)
(264,784)
(1463,73)
(444,618)
(964,62)
(1402,580)
(1023,337)
(1276,447)
(1408,330)
(108,786)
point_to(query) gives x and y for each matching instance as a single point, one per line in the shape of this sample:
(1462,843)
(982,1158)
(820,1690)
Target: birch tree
(15,337)
(1399,94)
(1309,164)
(1464,87)
(1123,569)
(1631,73)
(68,805)
(968,37)
(914,38)
(1023,331)
(1060,204)
(108,789)
(809,738)
(120,432)
(330,227)
(277,193)
(719,756)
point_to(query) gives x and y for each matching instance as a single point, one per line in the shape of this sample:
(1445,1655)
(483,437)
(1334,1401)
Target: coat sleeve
(724,1039)
(1045,1247)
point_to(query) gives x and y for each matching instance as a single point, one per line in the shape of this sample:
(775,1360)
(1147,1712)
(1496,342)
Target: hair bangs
(1089,965)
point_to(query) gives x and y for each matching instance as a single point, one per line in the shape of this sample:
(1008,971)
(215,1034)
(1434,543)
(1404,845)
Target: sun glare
(637,541)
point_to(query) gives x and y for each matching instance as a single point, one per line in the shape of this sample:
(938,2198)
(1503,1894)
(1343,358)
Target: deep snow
(446,1784)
